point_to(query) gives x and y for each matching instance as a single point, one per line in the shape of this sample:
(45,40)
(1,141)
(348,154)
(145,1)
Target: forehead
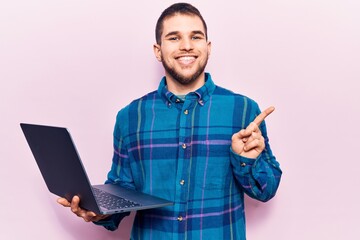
(182,23)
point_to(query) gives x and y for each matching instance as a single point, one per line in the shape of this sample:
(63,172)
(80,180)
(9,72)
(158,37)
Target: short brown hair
(177,8)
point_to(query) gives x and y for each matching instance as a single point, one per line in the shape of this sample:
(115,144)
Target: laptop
(65,176)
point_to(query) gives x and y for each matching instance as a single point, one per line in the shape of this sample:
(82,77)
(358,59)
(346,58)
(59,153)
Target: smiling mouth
(186,60)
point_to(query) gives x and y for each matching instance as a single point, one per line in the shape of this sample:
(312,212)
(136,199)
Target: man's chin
(187,79)
(184,76)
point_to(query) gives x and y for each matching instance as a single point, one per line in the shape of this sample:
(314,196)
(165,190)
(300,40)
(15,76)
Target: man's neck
(182,89)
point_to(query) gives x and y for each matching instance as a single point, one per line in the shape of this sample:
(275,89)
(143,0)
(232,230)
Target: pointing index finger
(261,117)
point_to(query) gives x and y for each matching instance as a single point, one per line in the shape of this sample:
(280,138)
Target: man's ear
(209,47)
(157,52)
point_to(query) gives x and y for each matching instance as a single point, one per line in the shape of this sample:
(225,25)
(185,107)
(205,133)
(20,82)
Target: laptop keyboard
(110,201)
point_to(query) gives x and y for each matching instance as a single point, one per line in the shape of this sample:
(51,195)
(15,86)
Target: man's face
(184,50)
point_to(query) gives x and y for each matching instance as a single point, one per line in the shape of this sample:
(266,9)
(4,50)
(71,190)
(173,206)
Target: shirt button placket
(183,162)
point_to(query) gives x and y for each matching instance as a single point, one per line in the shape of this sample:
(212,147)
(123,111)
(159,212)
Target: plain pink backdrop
(75,63)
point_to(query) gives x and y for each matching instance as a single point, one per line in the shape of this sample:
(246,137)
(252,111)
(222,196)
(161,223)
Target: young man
(191,142)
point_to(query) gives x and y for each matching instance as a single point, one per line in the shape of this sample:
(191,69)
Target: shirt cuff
(238,160)
(112,222)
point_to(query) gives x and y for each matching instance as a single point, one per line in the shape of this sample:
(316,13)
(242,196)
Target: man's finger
(63,202)
(261,117)
(75,204)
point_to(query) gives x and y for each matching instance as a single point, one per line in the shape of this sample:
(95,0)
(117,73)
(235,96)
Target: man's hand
(88,216)
(249,142)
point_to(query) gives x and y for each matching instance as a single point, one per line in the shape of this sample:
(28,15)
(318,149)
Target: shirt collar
(201,95)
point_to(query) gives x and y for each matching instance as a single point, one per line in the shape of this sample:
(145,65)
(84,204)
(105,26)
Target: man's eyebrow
(172,33)
(199,32)
(177,33)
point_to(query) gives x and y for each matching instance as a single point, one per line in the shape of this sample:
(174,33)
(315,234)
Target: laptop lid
(64,173)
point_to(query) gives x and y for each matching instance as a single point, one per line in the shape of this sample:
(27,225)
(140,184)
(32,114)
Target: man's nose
(186,44)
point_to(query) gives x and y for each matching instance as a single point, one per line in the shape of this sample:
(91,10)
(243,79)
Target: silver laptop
(65,176)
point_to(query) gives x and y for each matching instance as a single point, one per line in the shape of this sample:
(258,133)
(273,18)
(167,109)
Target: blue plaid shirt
(180,150)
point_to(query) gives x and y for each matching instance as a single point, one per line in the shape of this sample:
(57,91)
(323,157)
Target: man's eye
(196,37)
(173,38)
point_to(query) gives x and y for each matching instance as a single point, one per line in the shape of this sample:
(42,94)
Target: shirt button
(180,218)
(177,100)
(186,112)
(183,145)
(182,182)
(243,164)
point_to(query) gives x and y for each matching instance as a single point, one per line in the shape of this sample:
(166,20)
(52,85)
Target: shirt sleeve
(120,173)
(260,177)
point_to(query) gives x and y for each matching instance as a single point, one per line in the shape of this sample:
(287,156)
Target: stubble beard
(183,80)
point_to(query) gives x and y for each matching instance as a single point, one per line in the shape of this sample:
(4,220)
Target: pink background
(75,63)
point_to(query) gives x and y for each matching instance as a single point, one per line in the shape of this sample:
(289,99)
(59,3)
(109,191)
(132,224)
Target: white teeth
(187,58)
